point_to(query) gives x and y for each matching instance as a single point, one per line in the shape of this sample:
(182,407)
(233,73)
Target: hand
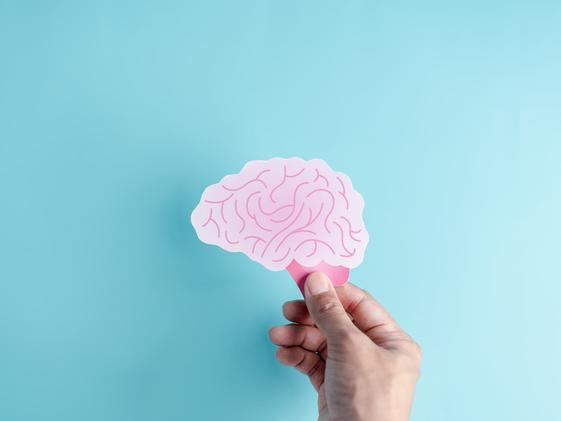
(362,364)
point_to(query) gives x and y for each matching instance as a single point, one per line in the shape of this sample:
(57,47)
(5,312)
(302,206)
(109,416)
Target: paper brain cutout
(286,214)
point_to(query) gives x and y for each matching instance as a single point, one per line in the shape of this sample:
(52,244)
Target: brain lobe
(281,210)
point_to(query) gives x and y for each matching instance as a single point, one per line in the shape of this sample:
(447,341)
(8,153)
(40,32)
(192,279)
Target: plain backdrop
(114,116)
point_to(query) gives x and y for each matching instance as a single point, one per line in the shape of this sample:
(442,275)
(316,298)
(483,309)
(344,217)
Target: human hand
(362,364)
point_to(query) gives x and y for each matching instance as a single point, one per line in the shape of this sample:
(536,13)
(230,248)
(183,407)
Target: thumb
(325,307)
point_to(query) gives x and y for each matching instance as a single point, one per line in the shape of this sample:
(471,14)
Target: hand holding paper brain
(286,213)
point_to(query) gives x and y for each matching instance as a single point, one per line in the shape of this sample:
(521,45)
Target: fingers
(304,361)
(326,309)
(307,337)
(369,315)
(297,312)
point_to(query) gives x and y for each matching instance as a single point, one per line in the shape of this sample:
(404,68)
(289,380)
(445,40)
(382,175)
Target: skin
(362,364)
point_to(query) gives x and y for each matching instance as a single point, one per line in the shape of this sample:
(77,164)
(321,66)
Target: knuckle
(367,294)
(298,334)
(418,351)
(349,341)
(327,307)
(409,360)
(414,351)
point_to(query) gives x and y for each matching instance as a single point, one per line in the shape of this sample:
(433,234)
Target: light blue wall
(114,117)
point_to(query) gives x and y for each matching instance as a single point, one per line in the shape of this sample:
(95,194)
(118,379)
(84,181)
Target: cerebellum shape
(281,210)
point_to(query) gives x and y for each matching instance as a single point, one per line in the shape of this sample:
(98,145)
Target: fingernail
(316,283)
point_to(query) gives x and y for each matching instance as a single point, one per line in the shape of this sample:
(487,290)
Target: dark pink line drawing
(318,214)
(316,240)
(298,230)
(208,220)
(278,185)
(332,205)
(294,175)
(343,193)
(222,212)
(314,250)
(343,239)
(351,231)
(248,182)
(257,240)
(254,237)
(349,254)
(228,240)
(220,201)
(293,203)
(273,212)
(247,203)
(318,175)
(283,257)
(284,177)
(281,231)
(254,217)
(239,216)
(211,219)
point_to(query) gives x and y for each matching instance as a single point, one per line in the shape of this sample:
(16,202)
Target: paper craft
(286,214)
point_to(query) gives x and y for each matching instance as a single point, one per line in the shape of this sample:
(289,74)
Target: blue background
(115,116)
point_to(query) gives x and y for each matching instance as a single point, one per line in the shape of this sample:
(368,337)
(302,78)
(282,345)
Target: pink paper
(338,274)
(285,210)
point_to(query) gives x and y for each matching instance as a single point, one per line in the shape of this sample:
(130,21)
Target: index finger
(369,315)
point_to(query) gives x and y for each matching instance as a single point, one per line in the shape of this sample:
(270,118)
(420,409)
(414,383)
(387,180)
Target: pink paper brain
(285,210)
